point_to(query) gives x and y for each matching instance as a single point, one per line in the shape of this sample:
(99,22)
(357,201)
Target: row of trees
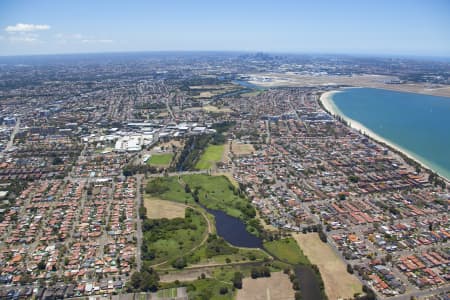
(195,145)
(217,246)
(146,280)
(237,280)
(434,178)
(262,271)
(192,151)
(130,170)
(316,228)
(150,105)
(156,187)
(295,283)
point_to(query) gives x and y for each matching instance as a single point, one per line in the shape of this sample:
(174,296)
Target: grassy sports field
(160,159)
(212,155)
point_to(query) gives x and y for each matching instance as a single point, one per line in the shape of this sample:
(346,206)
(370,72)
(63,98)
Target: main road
(13,134)
(138,222)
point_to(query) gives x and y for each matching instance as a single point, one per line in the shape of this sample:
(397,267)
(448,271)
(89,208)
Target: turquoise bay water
(417,123)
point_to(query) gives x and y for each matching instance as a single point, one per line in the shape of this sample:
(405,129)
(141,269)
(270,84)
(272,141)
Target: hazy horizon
(18,59)
(401,28)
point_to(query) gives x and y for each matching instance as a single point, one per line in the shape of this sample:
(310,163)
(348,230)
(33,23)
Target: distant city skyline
(417,28)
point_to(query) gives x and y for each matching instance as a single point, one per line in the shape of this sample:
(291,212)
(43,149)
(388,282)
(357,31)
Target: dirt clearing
(276,287)
(158,209)
(239,148)
(185,275)
(215,109)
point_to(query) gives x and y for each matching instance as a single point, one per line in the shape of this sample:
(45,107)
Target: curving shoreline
(326,99)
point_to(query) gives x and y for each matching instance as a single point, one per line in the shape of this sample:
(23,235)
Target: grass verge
(287,250)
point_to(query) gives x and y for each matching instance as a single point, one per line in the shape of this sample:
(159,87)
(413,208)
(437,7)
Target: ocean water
(419,124)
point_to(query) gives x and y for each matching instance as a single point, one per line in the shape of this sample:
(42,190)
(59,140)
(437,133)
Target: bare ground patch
(163,114)
(276,287)
(185,275)
(158,209)
(211,108)
(241,148)
(338,282)
(226,154)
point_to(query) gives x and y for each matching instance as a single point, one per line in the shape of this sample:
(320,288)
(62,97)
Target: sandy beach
(327,101)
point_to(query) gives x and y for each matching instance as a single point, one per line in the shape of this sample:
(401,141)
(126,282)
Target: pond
(233,230)
(309,285)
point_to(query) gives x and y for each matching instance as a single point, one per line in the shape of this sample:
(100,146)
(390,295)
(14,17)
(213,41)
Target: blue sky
(397,27)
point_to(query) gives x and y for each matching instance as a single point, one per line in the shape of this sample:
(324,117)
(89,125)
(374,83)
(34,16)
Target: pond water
(309,285)
(233,230)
